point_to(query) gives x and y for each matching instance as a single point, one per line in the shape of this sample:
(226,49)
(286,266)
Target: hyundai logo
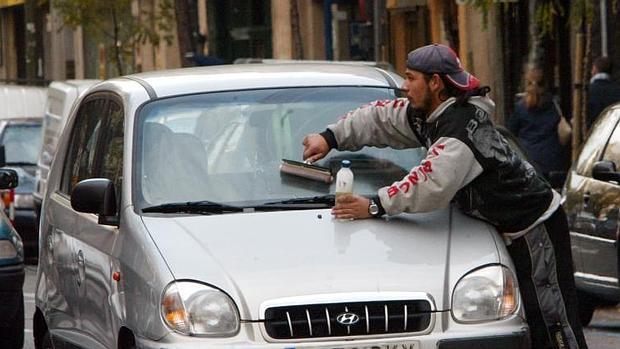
(348,319)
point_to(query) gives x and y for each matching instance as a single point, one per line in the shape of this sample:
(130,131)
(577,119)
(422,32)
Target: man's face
(418,92)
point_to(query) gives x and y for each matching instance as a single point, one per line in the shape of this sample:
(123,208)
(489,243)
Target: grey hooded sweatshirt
(468,161)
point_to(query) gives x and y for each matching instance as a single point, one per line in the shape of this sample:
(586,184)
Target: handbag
(565,130)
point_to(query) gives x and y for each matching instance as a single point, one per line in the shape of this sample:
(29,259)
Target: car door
(62,260)
(596,207)
(96,241)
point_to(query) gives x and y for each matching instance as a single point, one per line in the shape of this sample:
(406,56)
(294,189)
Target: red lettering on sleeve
(427,167)
(413,178)
(392,191)
(404,186)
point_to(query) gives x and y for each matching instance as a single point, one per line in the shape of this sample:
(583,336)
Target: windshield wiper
(203,207)
(313,201)
(20,163)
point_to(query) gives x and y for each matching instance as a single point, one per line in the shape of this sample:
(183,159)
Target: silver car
(168,224)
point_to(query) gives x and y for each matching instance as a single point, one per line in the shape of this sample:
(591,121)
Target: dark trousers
(544,265)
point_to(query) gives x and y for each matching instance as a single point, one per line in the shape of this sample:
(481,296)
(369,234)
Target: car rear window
(22,143)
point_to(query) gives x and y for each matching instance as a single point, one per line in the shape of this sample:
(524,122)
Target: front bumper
(510,341)
(504,337)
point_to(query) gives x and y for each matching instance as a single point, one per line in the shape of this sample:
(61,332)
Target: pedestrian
(470,163)
(602,91)
(535,123)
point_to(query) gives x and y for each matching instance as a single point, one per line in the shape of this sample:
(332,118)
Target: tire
(587,306)
(12,336)
(46,342)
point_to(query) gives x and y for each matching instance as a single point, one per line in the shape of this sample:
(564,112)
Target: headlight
(195,309)
(486,294)
(7,250)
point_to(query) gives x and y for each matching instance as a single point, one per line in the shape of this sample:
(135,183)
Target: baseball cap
(441,59)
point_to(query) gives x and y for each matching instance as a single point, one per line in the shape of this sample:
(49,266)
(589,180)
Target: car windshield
(227,147)
(22,143)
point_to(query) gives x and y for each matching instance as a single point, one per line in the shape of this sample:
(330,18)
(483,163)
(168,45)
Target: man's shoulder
(457,119)
(605,89)
(466,111)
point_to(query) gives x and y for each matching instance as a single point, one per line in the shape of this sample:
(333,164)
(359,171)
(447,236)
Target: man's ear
(436,83)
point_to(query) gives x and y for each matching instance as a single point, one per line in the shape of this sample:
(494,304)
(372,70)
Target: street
(603,332)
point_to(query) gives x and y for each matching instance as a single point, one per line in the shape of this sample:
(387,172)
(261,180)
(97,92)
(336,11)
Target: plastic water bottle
(344,179)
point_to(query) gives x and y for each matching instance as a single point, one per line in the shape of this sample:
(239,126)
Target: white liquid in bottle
(344,179)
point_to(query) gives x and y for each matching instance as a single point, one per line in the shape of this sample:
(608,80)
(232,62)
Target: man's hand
(351,207)
(315,147)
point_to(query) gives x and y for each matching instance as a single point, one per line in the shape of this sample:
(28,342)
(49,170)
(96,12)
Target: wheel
(44,341)
(587,306)
(12,332)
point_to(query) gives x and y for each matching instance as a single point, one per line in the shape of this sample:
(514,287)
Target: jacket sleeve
(449,165)
(379,124)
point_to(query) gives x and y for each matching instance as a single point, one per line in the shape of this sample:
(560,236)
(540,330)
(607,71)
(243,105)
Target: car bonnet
(256,257)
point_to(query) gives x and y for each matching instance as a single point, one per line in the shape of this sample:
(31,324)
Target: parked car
(21,138)
(11,274)
(592,203)
(167,224)
(61,98)
(21,114)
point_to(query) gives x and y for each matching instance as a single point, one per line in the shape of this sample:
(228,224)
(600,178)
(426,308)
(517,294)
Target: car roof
(255,76)
(22,101)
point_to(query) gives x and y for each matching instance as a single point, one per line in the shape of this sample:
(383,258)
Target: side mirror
(8,178)
(606,171)
(98,196)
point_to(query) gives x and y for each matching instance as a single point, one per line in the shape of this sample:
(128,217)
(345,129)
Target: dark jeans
(544,265)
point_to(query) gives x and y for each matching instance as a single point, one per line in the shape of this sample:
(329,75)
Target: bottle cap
(346,163)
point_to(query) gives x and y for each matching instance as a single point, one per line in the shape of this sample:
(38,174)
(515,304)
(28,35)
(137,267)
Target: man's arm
(449,165)
(379,124)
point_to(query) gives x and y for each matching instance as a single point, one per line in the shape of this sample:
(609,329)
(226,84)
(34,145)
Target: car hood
(256,257)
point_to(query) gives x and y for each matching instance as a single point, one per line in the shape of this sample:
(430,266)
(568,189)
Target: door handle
(80,267)
(586,199)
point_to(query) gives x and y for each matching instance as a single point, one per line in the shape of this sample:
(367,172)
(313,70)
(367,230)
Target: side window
(80,160)
(593,147)
(612,150)
(111,150)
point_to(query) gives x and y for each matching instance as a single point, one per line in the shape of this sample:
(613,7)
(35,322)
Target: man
(602,91)
(470,163)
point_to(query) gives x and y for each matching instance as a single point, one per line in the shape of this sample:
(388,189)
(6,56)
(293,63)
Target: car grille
(374,318)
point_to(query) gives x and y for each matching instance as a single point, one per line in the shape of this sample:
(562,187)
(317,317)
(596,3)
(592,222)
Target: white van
(22,101)
(60,99)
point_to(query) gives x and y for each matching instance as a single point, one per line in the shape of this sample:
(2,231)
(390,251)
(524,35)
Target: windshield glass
(22,143)
(227,147)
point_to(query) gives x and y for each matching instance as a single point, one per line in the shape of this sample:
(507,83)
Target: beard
(423,110)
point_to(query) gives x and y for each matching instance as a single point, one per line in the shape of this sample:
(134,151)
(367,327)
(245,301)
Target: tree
(120,29)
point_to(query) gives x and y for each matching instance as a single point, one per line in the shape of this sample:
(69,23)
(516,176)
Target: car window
(80,161)
(612,149)
(594,145)
(22,142)
(111,150)
(228,146)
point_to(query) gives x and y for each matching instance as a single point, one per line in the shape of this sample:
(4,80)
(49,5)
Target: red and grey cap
(440,59)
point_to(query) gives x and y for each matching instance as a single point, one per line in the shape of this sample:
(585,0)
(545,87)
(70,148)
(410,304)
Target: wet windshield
(227,147)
